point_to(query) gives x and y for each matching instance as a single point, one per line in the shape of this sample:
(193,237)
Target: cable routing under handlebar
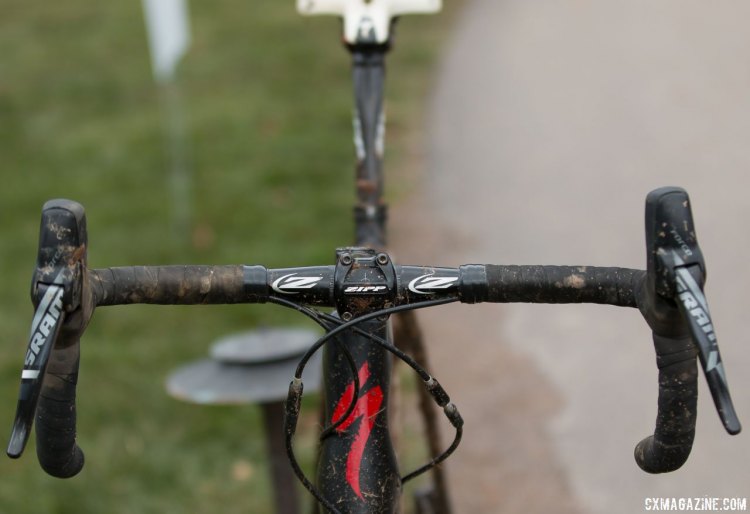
(293,403)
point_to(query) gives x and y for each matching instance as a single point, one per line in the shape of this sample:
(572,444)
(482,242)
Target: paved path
(550,122)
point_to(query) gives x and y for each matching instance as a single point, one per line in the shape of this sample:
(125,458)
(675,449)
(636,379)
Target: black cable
(320,318)
(289,430)
(301,475)
(424,375)
(352,324)
(344,326)
(326,321)
(437,460)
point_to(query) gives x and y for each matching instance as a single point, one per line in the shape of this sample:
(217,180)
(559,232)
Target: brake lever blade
(693,305)
(45,327)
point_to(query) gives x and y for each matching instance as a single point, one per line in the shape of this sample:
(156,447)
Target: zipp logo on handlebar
(291,284)
(427,284)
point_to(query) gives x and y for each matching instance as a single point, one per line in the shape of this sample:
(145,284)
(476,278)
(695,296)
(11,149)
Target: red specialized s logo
(367,407)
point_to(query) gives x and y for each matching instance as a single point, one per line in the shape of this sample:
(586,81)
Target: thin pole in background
(168,28)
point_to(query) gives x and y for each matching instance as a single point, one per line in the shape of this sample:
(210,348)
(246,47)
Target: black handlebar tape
(669,229)
(56,448)
(62,260)
(670,446)
(169,285)
(677,272)
(561,284)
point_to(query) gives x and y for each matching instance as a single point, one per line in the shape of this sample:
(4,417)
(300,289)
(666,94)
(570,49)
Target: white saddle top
(367,21)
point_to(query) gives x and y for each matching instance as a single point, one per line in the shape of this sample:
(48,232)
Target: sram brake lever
(45,328)
(56,290)
(679,275)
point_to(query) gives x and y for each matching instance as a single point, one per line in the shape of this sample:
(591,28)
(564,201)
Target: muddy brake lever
(680,273)
(50,370)
(45,327)
(671,299)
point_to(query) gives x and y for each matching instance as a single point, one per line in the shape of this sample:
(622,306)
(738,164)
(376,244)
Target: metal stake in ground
(254,368)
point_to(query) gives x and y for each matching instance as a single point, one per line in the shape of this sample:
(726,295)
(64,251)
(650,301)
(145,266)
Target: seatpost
(368,74)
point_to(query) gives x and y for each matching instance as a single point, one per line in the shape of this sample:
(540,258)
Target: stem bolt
(346,259)
(382,259)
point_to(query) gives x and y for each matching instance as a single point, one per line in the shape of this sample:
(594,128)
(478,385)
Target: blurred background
(266,99)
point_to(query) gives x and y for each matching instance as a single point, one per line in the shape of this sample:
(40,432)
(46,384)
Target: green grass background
(268,103)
